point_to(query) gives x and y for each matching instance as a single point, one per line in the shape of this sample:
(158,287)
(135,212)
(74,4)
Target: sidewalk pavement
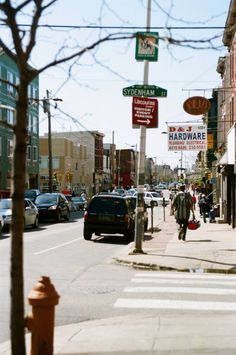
(211,248)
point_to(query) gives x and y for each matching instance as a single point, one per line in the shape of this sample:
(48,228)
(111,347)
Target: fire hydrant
(43,298)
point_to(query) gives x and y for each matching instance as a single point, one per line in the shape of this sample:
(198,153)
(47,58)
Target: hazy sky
(93,96)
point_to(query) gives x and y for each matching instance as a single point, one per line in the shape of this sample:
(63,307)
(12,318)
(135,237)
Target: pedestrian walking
(205,207)
(194,200)
(182,206)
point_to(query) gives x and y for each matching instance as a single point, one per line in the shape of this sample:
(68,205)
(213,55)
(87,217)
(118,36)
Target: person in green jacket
(182,205)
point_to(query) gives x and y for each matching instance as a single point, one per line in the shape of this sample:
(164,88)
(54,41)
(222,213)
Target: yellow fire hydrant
(43,298)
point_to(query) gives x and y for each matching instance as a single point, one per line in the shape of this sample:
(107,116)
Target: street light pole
(139,221)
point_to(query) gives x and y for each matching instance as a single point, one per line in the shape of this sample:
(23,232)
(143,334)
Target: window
(10,78)
(55,163)
(43,162)
(10,117)
(35,153)
(34,123)
(10,148)
(28,152)
(34,92)
(29,91)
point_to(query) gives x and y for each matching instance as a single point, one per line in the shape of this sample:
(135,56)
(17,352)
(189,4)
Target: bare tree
(22,44)
(21,52)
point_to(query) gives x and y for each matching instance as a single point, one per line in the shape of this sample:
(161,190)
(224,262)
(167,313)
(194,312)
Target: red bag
(193,224)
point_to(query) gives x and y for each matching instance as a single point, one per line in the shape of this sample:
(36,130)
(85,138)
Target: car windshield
(108,205)
(30,194)
(5,204)
(46,199)
(77,199)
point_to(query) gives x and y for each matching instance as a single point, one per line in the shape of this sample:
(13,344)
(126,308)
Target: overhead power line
(123,27)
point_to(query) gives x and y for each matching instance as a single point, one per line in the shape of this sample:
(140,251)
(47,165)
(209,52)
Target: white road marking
(185,290)
(185,281)
(174,304)
(57,246)
(168,275)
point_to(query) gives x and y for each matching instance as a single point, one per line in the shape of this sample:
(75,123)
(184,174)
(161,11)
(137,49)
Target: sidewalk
(211,248)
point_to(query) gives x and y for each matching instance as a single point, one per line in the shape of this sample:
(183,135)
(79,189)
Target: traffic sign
(145,91)
(144,112)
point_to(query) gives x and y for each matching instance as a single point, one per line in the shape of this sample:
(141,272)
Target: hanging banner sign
(147,46)
(187,137)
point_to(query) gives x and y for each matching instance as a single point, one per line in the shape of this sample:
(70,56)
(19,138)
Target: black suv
(109,214)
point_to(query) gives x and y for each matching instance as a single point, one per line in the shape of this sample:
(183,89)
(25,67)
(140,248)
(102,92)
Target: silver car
(31,217)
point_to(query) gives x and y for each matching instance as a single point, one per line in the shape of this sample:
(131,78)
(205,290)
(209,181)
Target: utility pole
(46,109)
(139,221)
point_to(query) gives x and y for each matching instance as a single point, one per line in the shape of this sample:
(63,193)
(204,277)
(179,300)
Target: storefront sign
(197,105)
(187,137)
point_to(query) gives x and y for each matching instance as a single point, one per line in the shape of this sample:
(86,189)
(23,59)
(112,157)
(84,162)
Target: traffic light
(55,176)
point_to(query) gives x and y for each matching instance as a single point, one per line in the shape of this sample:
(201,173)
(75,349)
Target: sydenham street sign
(144,91)
(187,137)
(144,112)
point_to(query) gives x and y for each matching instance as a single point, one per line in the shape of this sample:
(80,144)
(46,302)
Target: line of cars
(39,206)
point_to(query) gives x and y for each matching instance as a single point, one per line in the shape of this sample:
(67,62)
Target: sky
(92,97)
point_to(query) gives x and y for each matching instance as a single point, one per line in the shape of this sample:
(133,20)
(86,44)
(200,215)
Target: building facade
(8,95)
(89,174)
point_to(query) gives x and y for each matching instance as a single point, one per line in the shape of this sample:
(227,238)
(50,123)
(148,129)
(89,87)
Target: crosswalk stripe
(174,304)
(185,290)
(169,275)
(185,281)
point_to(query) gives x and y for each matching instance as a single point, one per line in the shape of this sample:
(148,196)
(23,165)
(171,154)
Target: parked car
(32,194)
(119,191)
(53,206)
(79,202)
(109,214)
(31,216)
(148,198)
(1,223)
(160,197)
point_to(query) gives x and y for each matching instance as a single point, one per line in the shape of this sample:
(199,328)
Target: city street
(81,271)
(93,288)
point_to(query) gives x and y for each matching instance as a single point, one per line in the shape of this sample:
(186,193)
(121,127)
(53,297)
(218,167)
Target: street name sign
(144,91)
(145,112)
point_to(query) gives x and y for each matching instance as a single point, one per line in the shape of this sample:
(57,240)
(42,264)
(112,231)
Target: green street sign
(147,46)
(145,91)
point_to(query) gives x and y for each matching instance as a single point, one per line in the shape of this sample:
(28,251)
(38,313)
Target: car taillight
(85,215)
(126,218)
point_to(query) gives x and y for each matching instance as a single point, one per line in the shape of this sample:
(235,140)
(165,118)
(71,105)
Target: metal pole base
(137,251)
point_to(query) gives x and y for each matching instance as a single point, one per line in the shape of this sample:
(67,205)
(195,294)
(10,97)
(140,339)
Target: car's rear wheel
(58,217)
(129,236)
(36,222)
(67,216)
(87,234)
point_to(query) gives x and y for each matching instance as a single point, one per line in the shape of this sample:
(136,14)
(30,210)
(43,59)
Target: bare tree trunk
(17,229)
